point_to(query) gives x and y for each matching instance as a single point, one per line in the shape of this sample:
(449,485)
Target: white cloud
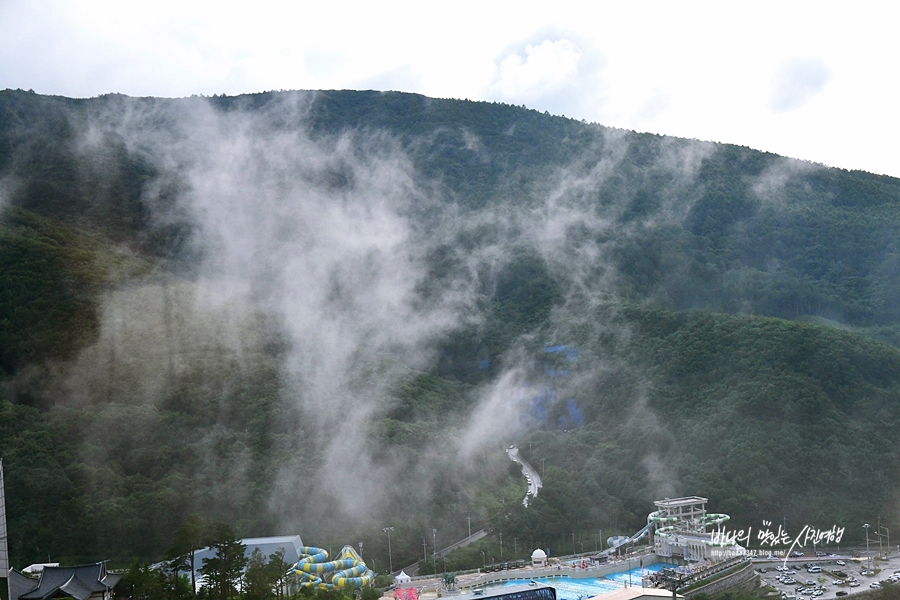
(797,82)
(544,69)
(554,70)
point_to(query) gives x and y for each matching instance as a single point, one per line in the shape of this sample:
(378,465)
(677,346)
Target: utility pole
(866,527)
(469,519)
(388,531)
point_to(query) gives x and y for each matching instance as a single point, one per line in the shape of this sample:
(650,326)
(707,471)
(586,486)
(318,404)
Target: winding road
(531,476)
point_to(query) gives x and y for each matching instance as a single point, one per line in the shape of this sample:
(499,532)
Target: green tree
(140,582)
(188,538)
(225,569)
(279,571)
(258,580)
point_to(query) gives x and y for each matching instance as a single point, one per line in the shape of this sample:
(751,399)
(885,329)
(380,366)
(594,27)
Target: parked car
(840,562)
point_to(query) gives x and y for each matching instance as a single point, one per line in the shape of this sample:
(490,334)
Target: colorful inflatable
(347,571)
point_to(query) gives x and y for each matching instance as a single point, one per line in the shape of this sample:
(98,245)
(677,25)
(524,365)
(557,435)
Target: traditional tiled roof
(74,582)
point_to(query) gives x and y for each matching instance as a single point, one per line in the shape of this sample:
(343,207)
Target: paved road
(531,476)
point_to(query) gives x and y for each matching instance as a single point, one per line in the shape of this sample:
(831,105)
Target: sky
(809,80)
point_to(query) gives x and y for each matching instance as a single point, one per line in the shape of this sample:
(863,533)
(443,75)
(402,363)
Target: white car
(840,562)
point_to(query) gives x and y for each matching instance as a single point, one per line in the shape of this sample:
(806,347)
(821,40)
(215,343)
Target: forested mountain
(328,312)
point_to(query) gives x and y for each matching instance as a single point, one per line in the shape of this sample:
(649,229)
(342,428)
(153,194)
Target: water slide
(664,528)
(656,518)
(347,571)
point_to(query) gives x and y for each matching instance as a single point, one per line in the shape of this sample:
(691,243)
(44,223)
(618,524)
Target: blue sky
(811,80)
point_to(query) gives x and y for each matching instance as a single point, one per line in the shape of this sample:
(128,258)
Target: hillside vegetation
(326,313)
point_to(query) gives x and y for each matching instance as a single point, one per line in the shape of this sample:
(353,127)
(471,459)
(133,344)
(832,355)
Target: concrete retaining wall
(745,579)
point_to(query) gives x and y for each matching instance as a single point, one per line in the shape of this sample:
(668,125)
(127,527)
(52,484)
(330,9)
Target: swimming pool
(568,588)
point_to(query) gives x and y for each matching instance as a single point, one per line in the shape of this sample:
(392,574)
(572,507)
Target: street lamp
(501,545)
(866,526)
(434,549)
(469,519)
(483,559)
(388,531)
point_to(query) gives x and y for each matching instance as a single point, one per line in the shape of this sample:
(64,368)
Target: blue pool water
(575,589)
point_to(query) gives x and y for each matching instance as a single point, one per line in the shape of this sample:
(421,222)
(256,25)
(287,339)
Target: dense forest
(326,313)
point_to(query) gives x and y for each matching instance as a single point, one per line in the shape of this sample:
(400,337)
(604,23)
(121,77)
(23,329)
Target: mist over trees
(325,313)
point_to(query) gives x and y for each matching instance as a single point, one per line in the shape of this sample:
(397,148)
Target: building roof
(636,593)
(686,501)
(19,584)
(509,592)
(268,545)
(75,582)
(36,568)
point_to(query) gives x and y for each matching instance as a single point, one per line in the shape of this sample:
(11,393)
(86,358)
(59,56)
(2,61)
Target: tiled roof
(76,582)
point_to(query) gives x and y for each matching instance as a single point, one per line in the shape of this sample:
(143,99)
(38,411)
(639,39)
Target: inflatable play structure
(346,571)
(406,594)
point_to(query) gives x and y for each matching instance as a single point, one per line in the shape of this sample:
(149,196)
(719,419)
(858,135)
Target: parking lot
(825,578)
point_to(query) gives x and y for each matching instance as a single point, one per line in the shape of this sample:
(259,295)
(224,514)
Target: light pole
(388,531)
(483,559)
(501,545)
(515,547)
(866,526)
(469,519)
(573,543)
(434,549)
(601,539)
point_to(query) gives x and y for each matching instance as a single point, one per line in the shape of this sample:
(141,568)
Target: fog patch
(769,186)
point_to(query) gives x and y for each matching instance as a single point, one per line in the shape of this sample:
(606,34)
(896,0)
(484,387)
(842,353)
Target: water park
(680,545)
